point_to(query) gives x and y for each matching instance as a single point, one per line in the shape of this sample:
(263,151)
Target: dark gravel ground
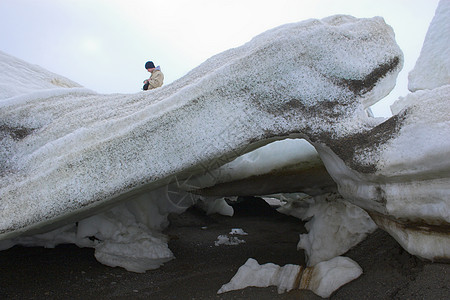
(200,267)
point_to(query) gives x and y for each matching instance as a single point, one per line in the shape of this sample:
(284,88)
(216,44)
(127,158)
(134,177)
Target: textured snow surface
(413,168)
(432,68)
(18,77)
(67,155)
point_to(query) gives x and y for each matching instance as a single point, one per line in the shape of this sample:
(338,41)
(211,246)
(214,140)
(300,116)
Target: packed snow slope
(18,77)
(69,153)
(432,68)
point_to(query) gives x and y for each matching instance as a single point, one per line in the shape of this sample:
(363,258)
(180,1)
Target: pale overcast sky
(104,44)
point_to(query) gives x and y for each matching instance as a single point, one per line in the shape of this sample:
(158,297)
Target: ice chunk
(228,240)
(323,279)
(238,231)
(334,226)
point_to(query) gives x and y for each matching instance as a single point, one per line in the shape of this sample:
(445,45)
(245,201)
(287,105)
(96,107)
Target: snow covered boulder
(81,152)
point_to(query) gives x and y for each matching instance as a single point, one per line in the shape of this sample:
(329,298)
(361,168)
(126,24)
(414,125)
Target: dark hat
(149,65)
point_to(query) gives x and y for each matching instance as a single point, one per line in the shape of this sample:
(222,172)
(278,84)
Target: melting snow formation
(104,171)
(323,279)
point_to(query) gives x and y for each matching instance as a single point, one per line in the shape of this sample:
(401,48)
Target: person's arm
(156,80)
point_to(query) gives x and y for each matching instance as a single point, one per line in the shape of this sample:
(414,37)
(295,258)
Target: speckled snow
(67,152)
(432,68)
(18,77)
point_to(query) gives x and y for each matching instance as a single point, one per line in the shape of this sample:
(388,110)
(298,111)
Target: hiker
(156,79)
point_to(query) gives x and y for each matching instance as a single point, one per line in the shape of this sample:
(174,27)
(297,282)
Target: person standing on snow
(156,79)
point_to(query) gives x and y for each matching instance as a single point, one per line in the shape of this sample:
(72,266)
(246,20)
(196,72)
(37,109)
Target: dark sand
(200,267)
